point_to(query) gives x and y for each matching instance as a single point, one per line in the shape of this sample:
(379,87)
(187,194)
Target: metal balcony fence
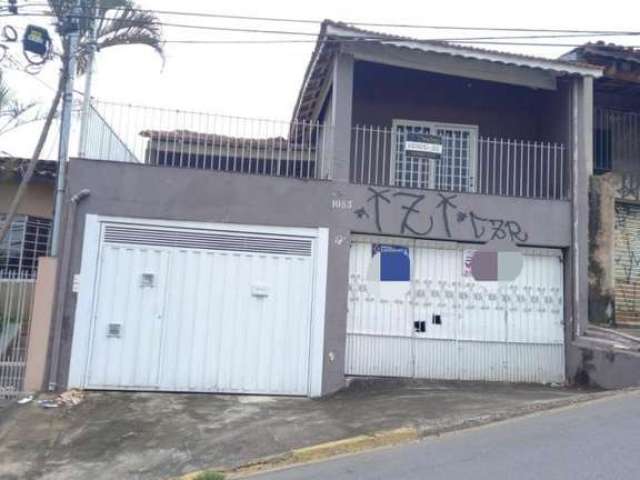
(490,166)
(616,140)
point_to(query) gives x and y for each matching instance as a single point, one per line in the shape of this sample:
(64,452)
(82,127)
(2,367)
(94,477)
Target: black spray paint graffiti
(629,186)
(417,221)
(630,261)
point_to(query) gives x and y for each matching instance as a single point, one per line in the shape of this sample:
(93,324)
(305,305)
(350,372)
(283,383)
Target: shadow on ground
(161,435)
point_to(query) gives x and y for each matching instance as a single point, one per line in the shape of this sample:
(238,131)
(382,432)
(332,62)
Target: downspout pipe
(61,287)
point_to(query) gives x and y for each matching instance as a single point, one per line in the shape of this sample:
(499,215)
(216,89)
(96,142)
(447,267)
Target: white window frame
(433,126)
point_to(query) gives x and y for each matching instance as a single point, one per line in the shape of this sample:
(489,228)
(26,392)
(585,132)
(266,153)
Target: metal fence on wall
(490,166)
(186,139)
(616,140)
(16,296)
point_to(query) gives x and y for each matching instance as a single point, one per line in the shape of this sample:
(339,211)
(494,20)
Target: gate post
(42,311)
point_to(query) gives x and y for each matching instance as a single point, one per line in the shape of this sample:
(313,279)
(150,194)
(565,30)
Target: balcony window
(453,171)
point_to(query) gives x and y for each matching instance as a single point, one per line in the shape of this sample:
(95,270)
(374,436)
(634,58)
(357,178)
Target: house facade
(615,186)
(280,263)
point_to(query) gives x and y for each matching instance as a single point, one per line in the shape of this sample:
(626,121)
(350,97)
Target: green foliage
(209,475)
(119,22)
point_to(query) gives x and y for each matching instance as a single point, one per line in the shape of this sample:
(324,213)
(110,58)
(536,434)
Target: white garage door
(199,310)
(421,315)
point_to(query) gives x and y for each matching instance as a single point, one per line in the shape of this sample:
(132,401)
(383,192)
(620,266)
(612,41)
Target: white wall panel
(435,358)
(131,357)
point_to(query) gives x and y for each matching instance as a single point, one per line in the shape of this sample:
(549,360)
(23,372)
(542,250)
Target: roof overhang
(434,56)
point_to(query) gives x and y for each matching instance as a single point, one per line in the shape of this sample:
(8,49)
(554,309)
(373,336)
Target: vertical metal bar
(561,173)
(362,151)
(305,128)
(514,157)
(527,179)
(355,132)
(373,178)
(555,171)
(223,142)
(479,169)
(536,154)
(370,152)
(500,163)
(383,152)
(289,146)
(314,144)
(485,166)
(272,135)
(520,163)
(308,140)
(508,166)
(494,163)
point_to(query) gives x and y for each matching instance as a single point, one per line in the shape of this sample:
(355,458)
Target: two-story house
(615,186)
(240,257)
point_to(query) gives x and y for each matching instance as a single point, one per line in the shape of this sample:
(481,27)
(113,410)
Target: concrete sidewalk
(157,436)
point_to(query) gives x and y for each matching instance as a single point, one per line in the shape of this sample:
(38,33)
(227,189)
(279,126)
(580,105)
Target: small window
(26,241)
(455,170)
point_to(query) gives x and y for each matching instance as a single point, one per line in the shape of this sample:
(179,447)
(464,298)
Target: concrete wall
(38,201)
(139,191)
(605,191)
(601,368)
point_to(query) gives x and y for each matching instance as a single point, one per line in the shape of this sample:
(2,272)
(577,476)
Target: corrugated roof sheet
(45,169)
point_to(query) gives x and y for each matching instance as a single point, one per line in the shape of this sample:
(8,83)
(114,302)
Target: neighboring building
(28,238)
(615,185)
(279,263)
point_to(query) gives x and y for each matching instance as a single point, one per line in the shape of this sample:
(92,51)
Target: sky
(262,80)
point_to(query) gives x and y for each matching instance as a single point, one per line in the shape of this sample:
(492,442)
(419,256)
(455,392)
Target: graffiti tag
(421,218)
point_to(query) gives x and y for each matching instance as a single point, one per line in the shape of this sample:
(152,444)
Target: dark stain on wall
(601,303)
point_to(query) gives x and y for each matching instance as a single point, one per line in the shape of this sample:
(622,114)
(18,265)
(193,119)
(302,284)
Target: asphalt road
(598,440)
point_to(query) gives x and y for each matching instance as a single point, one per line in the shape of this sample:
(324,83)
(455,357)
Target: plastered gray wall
(601,368)
(383,93)
(139,191)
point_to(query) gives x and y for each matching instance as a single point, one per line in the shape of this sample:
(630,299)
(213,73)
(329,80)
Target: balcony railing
(616,140)
(176,138)
(490,166)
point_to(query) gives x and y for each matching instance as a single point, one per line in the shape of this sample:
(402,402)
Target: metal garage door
(442,324)
(627,264)
(200,310)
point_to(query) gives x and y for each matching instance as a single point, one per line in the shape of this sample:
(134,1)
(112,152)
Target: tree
(118,23)
(11,110)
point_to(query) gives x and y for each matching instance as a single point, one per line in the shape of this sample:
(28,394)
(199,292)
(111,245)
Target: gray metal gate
(16,295)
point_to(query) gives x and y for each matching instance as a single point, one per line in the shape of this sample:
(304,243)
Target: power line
(303,41)
(365,37)
(373,24)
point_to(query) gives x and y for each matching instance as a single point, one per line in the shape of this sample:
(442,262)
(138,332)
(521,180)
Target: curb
(387,438)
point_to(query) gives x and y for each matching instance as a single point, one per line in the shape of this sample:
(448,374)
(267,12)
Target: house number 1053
(341,204)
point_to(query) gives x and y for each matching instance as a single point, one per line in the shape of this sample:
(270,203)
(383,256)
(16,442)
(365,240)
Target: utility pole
(88,78)
(71,33)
